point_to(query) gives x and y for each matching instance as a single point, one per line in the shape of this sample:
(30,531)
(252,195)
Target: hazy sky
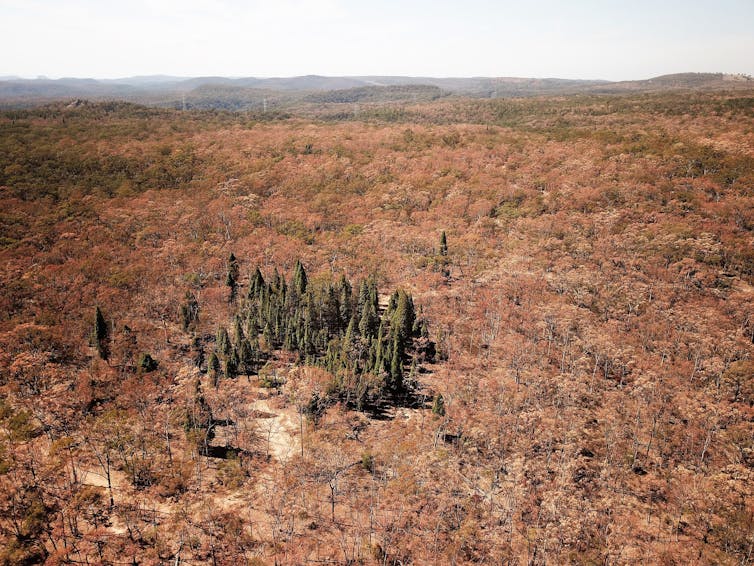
(590,39)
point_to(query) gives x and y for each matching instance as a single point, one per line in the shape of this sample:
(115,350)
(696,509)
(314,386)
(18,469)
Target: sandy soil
(278,430)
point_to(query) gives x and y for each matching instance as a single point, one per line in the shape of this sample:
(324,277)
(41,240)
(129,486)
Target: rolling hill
(244,93)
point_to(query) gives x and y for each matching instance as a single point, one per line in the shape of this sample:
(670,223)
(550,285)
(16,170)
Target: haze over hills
(239,93)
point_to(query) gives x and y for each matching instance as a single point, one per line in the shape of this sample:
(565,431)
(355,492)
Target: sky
(576,39)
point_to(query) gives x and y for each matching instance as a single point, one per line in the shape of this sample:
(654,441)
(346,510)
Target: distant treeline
(409,93)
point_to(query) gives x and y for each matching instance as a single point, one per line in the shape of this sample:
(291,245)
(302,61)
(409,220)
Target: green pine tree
(189,311)
(100,337)
(369,321)
(231,278)
(256,284)
(444,262)
(396,367)
(223,342)
(345,300)
(300,280)
(404,316)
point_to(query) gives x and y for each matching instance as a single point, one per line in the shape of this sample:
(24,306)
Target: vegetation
(197,364)
(327,325)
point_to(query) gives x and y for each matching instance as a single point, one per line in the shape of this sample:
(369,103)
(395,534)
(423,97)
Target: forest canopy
(436,330)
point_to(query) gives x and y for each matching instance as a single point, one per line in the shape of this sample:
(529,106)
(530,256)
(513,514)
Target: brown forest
(486,332)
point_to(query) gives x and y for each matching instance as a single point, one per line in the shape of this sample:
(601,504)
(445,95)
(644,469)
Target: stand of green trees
(372,350)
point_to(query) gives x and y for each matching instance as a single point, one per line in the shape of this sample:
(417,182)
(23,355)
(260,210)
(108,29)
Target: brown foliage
(593,311)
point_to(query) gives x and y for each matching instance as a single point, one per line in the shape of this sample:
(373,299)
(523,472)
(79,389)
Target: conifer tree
(362,299)
(369,321)
(412,373)
(146,363)
(327,326)
(443,244)
(231,279)
(189,311)
(238,333)
(256,284)
(267,335)
(100,337)
(245,357)
(331,311)
(223,342)
(392,304)
(275,283)
(345,300)
(230,364)
(396,366)
(444,255)
(350,334)
(198,350)
(300,280)
(404,316)
(379,353)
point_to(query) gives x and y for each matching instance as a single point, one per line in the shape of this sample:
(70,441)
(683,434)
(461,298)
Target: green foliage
(396,366)
(231,279)
(18,423)
(374,94)
(189,312)
(299,278)
(326,325)
(213,368)
(146,363)
(315,407)
(31,519)
(367,462)
(404,316)
(41,162)
(100,336)
(268,378)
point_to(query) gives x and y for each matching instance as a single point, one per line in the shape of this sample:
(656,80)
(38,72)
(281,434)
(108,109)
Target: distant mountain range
(246,92)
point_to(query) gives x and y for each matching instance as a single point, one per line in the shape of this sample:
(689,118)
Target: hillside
(289,93)
(433,330)
(679,81)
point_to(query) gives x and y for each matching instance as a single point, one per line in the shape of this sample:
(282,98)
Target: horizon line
(43,77)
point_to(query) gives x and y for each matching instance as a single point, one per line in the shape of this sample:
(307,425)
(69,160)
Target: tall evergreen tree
(369,321)
(404,316)
(362,299)
(230,364)
(396,367)
(100,337)
(345,300)
(231,278)
(275,283)
(189,311)
(213,368)
(256,284)
(300,280)
(223,342)
(238,333)
(443,244)
(444,255)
